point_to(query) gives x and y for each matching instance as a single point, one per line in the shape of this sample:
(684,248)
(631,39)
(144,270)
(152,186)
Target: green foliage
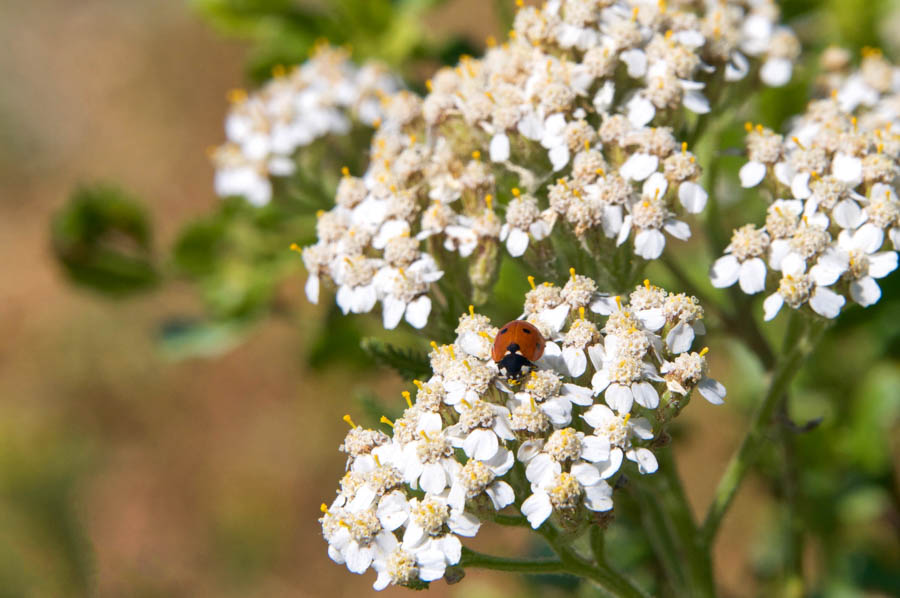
(102,239)
(409,363)
(284,32)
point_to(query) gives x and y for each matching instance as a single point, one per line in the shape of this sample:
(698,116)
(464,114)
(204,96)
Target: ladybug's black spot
(504,331)
(514,365)
(526,331)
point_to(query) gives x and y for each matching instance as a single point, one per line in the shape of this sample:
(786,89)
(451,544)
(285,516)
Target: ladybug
(517,346)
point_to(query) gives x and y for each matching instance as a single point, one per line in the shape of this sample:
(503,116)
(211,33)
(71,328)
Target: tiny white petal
(692,196)
(753,276)
(725,271)
(752,174)
(499,149)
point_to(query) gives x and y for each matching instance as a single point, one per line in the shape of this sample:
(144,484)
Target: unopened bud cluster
(833,179)
(552,445)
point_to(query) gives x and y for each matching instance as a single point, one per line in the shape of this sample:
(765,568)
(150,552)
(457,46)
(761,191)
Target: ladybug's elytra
(517,346)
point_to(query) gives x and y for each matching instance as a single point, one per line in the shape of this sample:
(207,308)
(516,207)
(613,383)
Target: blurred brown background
(191,479)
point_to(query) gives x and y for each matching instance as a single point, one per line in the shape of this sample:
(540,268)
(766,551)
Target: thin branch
(471,558)
(800,339)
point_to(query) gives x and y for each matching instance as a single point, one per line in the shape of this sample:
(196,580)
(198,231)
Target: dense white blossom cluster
(564,129)
(834,179)
(473,444)
(264,129)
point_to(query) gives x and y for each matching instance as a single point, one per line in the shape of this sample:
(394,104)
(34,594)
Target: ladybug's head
(514,366)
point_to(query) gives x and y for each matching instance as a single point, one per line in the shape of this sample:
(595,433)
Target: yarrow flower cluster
(449,463)
(834,179)
(565,129)
(265,128)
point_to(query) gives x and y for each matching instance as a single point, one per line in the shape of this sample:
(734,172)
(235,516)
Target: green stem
(665,497)
(471,558)
(801,338)
(605,578)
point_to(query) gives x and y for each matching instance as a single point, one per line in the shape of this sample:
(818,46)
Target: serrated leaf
(409,363)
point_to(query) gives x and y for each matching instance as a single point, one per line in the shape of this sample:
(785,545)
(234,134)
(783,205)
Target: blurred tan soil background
(123,474)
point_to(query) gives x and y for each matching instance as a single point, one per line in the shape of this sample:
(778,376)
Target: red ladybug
(517,346)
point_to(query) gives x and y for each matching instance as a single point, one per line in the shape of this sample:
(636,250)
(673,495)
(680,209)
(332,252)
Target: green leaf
(102,239)
(409,363)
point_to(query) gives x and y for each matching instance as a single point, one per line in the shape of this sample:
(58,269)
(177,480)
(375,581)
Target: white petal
(649,244)
(752,174)
(559,157)
(605,96)
(868,238)
(531,127)
(619,397)
(753,276)
(692,196)
(725,271)
(883,263)
(578,395)
(680,338)
(517,242)
(598,415)
(358,559)
(826,302)
(392,311)
(610,467)
(585,473)
(645,395)
(363,299)
(695,102)
(499,148)
(772,305)
(641,428)
(537,508)
(418,311)
(848,214)
(678,229)
(639,166)
(652,319)
(645,459)
(433,478)
(575,360)
(712,390)
(847,168)
(636,61)
(481,444)
(600,381)
(464,524)
(595,448)
(865,291)
(776,72)
(501,494)
(640,111)
(598,497)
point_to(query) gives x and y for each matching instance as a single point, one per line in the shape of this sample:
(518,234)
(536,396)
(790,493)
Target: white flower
(751,174)
(481,428)
(857,256)
(744,261)
(566,491)
(623,377)
(688,371)
(545,389)
(356,287)
(616,431)
(481,477)
(428,461)
(797,287)
(648,216)
(404,292)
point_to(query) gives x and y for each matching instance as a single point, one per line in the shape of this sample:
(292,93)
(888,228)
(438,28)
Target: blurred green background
(125,472)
